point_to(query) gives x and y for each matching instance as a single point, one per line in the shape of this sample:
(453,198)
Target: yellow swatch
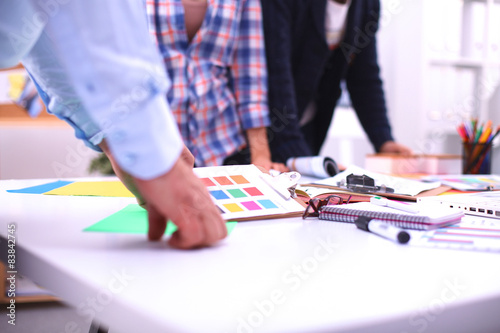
(103,189)
(233,208)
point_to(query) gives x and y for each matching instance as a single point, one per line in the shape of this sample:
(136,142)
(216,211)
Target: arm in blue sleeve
(18,33)
(110,62)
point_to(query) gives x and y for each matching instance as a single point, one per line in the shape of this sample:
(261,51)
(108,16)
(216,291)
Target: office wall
(41,150)
(430,85)
(39,147)
(440,65)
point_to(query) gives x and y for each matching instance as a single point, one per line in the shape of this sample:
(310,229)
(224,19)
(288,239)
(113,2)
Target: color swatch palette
(239,192)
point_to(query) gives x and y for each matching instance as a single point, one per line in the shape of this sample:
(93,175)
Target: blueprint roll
(313,166)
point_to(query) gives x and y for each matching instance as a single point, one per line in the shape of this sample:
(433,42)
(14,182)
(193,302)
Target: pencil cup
(476,158)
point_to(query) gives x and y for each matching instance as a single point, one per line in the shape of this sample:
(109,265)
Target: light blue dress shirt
(96,67)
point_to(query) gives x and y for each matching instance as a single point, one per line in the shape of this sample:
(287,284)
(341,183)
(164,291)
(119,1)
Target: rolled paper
(314,166)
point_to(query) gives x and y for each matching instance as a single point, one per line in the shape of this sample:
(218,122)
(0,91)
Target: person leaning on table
(311,47)
(96,67)
(214,55)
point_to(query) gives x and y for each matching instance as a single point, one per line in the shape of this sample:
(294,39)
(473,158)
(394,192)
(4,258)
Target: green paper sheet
(133,219)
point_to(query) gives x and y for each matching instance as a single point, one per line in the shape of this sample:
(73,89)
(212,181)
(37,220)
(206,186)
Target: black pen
(383,229)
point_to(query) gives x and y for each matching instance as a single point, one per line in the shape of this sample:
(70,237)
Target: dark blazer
(301,69)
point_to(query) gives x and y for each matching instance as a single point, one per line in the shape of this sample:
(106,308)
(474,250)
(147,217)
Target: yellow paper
(103,189)
(17,82)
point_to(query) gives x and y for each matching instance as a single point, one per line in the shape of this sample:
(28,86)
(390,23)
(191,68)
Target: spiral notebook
(429,217)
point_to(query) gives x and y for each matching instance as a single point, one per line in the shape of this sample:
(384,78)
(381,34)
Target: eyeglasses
(316,204)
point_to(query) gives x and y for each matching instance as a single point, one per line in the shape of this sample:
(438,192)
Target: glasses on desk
(315,205)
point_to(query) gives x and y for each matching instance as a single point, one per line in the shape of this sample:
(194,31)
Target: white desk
(286,275)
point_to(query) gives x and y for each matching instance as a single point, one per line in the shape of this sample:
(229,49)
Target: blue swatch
(40,189)
(219,195)
(267,204)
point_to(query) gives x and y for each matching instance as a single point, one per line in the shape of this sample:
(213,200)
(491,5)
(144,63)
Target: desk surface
(284,275)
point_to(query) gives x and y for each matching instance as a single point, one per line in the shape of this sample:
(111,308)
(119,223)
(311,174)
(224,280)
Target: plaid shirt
(219,79)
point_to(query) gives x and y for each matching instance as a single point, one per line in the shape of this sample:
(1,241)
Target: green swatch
(133,219)
(237,193)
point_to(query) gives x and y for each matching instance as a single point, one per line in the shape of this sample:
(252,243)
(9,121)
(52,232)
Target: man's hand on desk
(180,196)
(396,148)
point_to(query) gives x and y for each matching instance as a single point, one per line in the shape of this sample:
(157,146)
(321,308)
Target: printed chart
(473,233)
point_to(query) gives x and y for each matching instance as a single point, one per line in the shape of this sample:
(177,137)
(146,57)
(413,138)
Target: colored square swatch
(237,193)
(233,208)
(251,205)
(207,182)
(253,191)
(239,179)
(223,180)
(219,194)
(267,204)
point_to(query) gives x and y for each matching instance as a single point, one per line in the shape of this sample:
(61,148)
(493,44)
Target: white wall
(42,151)
(347,143)
(406,44)
(399,39)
